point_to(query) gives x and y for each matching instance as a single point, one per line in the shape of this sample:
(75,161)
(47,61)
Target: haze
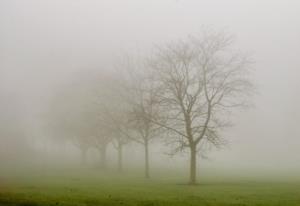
(45,45)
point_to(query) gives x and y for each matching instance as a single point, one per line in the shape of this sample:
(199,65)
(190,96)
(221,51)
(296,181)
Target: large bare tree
(198,82)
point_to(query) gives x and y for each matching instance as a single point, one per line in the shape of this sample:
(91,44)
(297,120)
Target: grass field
(92,189)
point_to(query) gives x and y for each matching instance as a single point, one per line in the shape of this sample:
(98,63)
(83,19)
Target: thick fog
(46,45)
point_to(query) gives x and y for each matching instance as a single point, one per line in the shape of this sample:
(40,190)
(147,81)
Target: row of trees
(183,92)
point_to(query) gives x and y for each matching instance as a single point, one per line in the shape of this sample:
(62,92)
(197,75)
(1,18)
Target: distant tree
(198,82)
(102,137)
(67,120)
(15,147)
(118,122)
(139,95)
(143,130)
(74,116)
(109,110)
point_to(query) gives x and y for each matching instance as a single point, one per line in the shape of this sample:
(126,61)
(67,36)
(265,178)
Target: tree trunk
(120,157)
(193,165)
(103,157)
(147,174)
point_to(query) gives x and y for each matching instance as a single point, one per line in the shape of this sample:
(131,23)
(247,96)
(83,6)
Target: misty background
(45,45)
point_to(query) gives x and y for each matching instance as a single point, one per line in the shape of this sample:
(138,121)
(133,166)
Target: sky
(45,43)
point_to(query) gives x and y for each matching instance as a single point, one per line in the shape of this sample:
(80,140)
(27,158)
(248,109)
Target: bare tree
(198,82)
(118,120)
(75,117)
(101,139)
(66,121)
(121,135)
(112,114)
(143,130)
(139,95)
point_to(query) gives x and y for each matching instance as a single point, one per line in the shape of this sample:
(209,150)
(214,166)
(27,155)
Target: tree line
(183,91)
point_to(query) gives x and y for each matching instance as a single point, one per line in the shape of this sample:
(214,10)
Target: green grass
(92,188)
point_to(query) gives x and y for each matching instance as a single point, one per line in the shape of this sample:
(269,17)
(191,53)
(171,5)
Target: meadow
(92,188)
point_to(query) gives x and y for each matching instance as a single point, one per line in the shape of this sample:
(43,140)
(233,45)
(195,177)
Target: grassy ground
(92,189)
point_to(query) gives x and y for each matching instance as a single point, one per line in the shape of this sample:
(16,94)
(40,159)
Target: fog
(45,46)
